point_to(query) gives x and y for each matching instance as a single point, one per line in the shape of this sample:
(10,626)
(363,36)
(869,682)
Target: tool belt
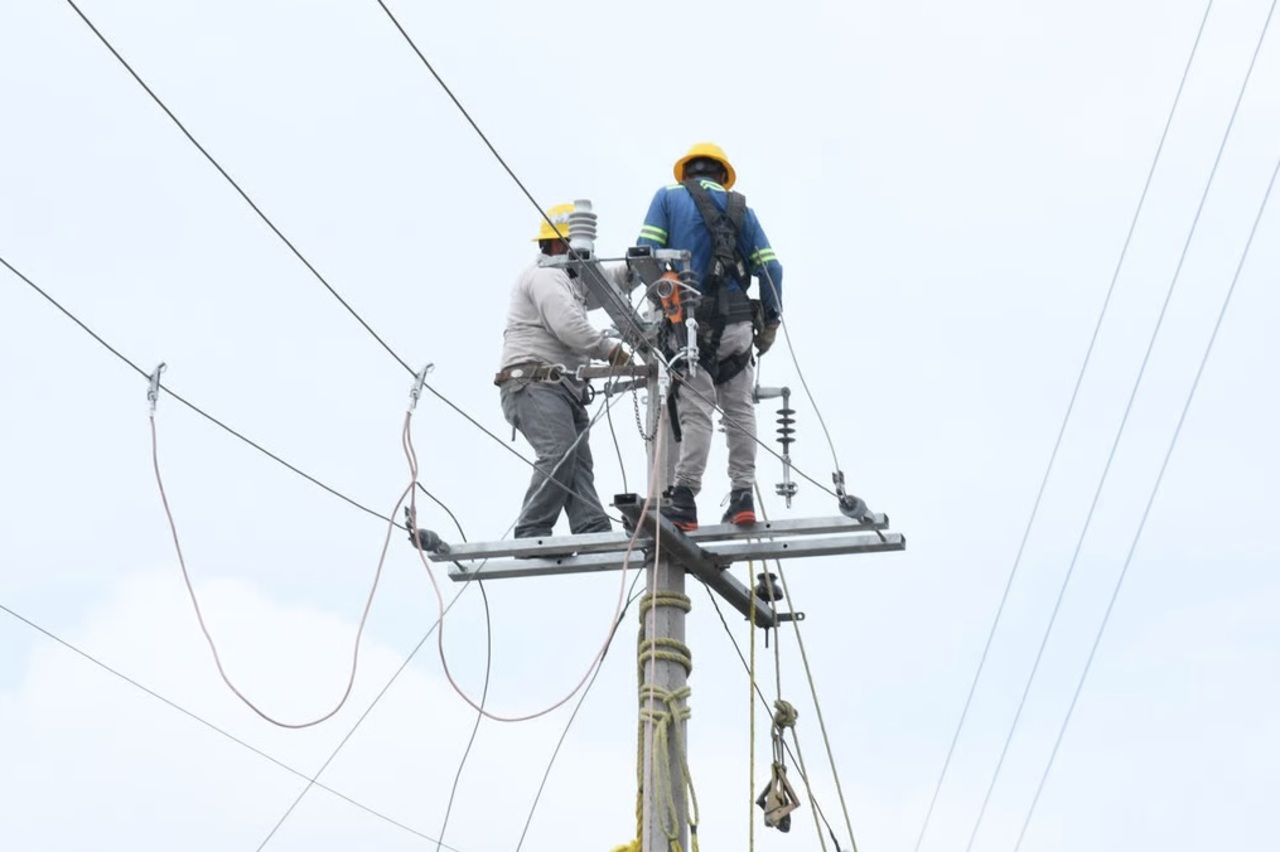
(533,371)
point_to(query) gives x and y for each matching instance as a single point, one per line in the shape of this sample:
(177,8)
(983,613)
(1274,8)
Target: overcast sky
(949,187)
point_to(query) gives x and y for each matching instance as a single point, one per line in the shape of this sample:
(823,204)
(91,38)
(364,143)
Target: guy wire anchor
(153,390)
(419,381)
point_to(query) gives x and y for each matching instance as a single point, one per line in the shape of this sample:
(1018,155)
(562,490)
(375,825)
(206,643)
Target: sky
(949,187)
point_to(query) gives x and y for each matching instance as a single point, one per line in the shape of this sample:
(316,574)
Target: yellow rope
(669,710)
(817,706)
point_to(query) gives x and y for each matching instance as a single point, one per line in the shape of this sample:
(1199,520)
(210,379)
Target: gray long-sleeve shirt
(547,321)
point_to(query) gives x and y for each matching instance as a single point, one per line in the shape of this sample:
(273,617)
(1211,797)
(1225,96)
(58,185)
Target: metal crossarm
(696,560)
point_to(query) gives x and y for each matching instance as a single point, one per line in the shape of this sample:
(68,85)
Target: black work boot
(680,508)
(742,508)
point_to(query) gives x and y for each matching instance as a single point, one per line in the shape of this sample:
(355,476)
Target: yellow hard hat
(560,216)
(712,151)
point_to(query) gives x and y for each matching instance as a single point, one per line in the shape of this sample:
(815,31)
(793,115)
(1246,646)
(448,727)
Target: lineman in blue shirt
(700,214)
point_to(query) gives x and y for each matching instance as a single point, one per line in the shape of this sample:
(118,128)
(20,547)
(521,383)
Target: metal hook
(153,391)
(419,380)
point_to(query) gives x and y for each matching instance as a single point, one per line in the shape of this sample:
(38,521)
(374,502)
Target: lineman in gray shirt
(546,339)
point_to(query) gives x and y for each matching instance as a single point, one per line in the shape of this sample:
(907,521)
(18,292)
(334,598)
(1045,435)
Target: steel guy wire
(1115,592)
(1044,641)
(215,421)
(1062,428)
(210,725)
(270,224)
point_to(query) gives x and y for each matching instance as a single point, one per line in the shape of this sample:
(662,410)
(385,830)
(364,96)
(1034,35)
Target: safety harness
(721,304)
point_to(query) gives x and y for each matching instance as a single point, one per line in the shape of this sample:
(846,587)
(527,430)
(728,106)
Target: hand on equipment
(765,338)
(620,356)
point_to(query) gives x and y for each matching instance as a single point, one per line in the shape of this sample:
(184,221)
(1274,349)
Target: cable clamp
(850,506)
(153,391)
(419,381)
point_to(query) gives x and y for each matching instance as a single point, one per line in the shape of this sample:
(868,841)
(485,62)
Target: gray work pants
(695,411)
(551,417)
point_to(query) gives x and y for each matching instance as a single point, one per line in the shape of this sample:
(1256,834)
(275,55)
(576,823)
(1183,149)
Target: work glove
(620,356)
(765,338)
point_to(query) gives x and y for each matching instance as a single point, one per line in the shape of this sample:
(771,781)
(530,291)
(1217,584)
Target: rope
(660,708)
(813,691)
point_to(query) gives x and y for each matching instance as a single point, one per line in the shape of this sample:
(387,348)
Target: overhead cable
(210,725)
(1062,428)
(293,248)
(1044,641)
(1146,512)
(215,421)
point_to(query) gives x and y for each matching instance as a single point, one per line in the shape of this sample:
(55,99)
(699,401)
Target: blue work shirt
(674,222)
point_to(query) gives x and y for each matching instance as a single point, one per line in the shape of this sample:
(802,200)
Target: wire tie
(153,391)
(419,380)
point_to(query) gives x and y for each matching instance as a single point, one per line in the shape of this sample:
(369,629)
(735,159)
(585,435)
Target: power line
(1044,641)
(210,725)
(215,421)
(1115,592)
(466,583)
(297,253)
(256,209)
(409,40)
(555,753)
(484,693)
(1062,428)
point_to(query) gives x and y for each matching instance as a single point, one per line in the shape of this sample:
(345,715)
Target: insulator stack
(582,228)
(786,429)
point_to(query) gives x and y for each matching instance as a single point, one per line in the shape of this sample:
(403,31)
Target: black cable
(484,693)
(409,40)
(631,596)
(189,405)
(471,577)
(211,726)
(1115,592)
(312,779)
(1044,641)
(617,448)
(232,181)
(297,253)
(764,701)
(1062,428)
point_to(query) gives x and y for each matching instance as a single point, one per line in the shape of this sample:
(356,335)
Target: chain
(635,403)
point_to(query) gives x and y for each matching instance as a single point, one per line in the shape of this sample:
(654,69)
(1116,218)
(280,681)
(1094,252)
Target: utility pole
(670,554)
(663,675)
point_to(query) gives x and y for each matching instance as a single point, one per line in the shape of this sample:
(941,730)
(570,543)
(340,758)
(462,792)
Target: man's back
(674,221)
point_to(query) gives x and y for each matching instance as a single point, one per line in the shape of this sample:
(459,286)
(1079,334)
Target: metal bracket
(696,560)
(419,381)
(153,390)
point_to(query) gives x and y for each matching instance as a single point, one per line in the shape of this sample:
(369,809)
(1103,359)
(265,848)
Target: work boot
(742,508)
(680,509)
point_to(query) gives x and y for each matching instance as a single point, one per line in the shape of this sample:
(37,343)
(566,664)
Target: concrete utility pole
(706,553)
(663,675)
